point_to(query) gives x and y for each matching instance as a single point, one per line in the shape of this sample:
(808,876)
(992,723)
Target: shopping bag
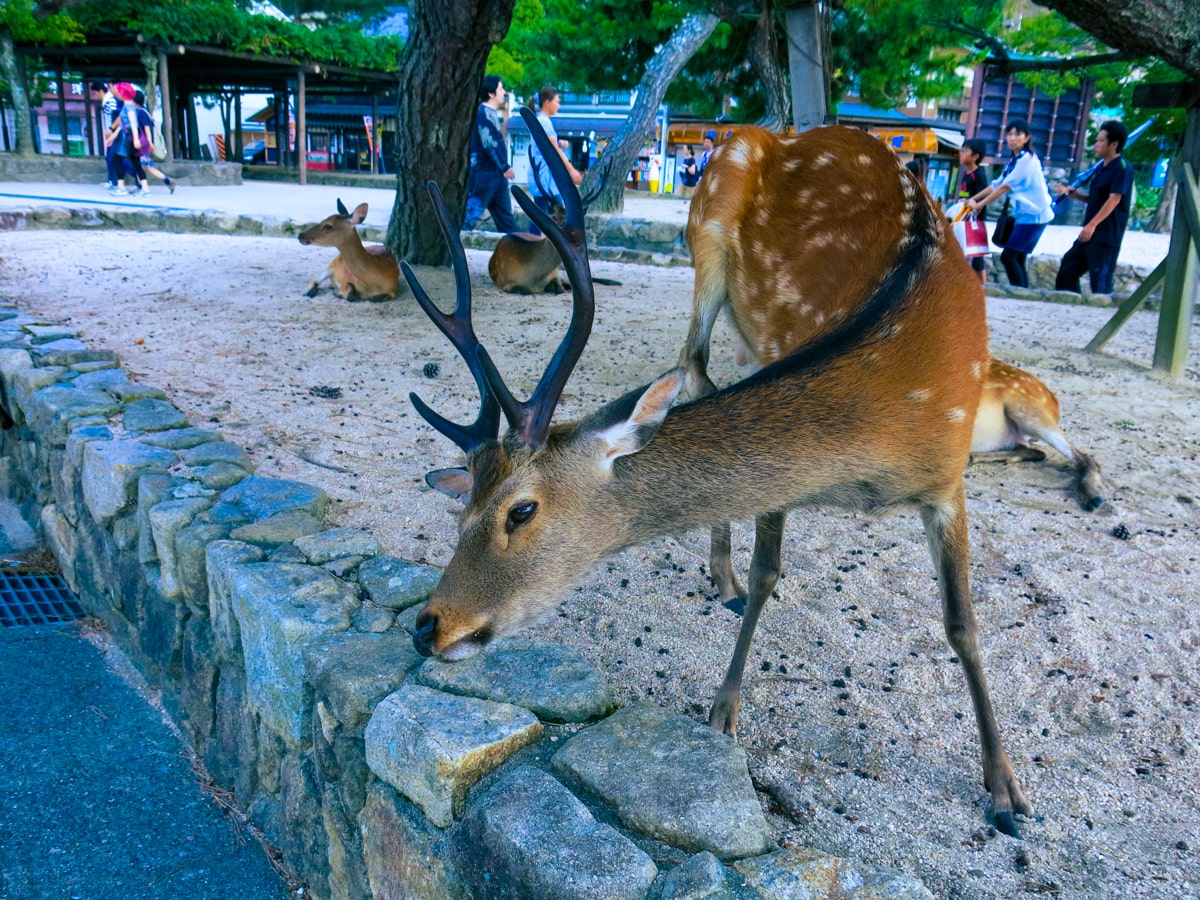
(972,236)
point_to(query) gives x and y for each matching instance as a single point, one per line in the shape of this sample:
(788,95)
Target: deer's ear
(454,483)
(626,434)
(359,215)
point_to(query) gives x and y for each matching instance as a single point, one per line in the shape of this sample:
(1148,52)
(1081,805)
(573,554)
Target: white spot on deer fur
(804,309)
(920,396)
(823,159)
(738,155)
(792,165)
(955,414)
(846,188)
(714,228)
(821,240)
(864,160)
(977,370)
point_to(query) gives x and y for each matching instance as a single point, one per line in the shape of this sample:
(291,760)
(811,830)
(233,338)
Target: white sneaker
(142,193)
(117,192)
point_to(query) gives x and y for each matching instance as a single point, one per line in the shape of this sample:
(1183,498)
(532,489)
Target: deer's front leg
(946,528)
(721,568)
(764,575)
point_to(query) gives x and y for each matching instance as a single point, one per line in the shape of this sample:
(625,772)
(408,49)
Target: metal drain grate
(36,600)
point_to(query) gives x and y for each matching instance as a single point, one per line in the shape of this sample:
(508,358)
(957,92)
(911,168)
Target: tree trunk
(14,75)
(150,64)
(775,80)
(1163,219)
(1168,29)
(621,154)
(440,71)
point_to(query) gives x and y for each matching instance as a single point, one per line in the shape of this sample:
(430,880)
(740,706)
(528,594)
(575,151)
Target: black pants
(1014,267)
(1098,260)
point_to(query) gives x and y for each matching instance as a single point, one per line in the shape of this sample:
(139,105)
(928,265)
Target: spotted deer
(873,414)
(358,272)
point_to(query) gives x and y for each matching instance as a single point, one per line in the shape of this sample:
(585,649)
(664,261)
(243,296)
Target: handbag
(972,236)
(1004,227)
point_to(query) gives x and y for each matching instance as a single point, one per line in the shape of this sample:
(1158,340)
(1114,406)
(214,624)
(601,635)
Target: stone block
(151,491)
(396,583)
(166,520)
(233,750)
(111,470)
(197,687)
(405,856)
(72,353)
(191,571)
(261,498)
(347,878)
(551,680)
(180,438)
(661,795)
(303,836)
(338,543)
(432,747)
(528,836)
(60,539)
(353,672)
(789,874)
(218,476)
(281,528)
(103,380)
(700,877)
(280,608)
(222,559)
(132,392)
(43,334)
(216,452)
(153,415)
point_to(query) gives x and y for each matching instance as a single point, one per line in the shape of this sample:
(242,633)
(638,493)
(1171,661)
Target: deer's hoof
(736,605)
(1007,824)
(1091,504)
(311,292)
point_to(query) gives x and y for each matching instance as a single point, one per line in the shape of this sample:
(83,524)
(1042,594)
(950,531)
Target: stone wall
(280,649)
(91,170)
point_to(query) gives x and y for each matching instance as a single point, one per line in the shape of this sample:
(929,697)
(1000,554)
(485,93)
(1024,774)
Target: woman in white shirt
(1032,208)
(541,183)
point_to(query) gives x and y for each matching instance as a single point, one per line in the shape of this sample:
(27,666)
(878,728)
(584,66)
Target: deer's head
(535,516)
(331,231)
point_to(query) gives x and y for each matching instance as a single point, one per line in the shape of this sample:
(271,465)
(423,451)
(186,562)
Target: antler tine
(461,332)
(531,419)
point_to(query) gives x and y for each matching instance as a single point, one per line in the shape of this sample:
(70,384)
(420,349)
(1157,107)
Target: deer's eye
(519,515)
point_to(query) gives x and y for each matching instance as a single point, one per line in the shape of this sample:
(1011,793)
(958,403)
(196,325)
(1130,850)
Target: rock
(803,873)
(219,476)
(405,856)
(103,379)
(551,680)
(280,608)
(166,520)
(528,836)
(153,415)
(180,438)
(261,498)
(396,583)
(42,334)
(700,877)
(51,408)
(221,560)
(72,353)
(111,470)
(216,452)
(281,528)
(338,543)
(355,671)
(129,393)
(431,747)
(689,786)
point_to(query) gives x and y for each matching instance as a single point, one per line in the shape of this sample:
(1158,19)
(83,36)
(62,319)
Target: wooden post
(375,130)
(238,143)
(301,134)
(62,110)
(89,119)
(1183,265)
(168,106)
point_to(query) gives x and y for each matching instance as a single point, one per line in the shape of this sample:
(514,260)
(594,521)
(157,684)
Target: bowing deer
(873,414)
(358,272)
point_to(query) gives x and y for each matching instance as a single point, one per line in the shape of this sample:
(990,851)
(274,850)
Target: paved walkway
(313,202)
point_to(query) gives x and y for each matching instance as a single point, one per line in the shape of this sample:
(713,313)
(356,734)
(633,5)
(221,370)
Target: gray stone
(661,795)
(111,470)
(343,568)
(151,491)
(281,528)
(347,877)
(67,353)
(700,877)
(397,583)
(802,873)
(405,856)
(102,379)
(153,415)
(51,408)
(166,520)
(60,346)
(372,619)
(288,553)
(353,672)
(552,681)
(219,476)
(221,560)
(60,539)
(216,452)
(128,392)
(281,608)
(528,836)
(95,365)
(431,747)
(337,543)
(191,546)
(261,498)
(42,334)
(181,438)
(22,382)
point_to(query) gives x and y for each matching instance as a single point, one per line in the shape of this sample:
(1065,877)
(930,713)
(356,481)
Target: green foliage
(225,24)
(17,21)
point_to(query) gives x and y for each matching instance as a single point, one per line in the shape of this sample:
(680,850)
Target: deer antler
(459,329)
(530,420)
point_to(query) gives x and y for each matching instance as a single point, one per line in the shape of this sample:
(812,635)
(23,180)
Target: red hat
(124,90)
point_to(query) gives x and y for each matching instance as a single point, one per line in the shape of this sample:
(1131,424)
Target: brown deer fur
(525,264)
(874,413)
(358,272)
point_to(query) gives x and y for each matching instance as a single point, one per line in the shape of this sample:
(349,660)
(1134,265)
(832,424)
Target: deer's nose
(422,636)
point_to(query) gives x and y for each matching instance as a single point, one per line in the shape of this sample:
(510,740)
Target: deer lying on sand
(358,272)
(874,414)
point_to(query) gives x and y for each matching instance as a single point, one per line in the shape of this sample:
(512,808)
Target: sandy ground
(857,722)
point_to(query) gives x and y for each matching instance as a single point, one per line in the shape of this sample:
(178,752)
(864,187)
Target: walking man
(1108,201)
(487,188)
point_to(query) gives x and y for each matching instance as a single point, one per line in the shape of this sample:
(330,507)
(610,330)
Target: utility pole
(806,63)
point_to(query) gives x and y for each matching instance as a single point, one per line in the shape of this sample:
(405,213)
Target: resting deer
(875,414)
(358,272)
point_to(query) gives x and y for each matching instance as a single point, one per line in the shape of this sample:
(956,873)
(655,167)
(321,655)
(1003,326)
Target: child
(971,181)
(145,126)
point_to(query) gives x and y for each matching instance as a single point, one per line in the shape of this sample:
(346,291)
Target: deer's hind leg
(946,529)
(314,286)
(764,575)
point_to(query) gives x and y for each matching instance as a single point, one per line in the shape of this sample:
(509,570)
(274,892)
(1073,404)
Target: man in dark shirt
(487,187)
(1108,200)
